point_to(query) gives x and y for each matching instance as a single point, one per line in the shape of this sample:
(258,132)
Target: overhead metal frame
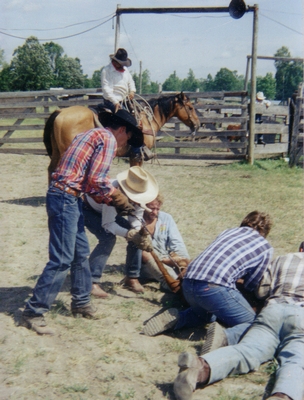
(166,10)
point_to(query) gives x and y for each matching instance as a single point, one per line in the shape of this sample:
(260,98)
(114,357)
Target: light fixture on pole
(237,8)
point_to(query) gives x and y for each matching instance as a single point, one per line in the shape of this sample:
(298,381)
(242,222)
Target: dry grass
(109,358)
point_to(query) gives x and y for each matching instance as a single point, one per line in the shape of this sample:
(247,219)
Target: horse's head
(185,112)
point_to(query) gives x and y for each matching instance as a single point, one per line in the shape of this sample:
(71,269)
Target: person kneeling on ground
(278,332)
(103,221)
(209,285)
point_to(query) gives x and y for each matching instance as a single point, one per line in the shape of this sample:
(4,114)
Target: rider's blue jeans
(68,251)
(106,242)
(209,302)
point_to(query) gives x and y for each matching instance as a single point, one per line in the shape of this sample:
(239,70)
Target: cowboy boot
(193,370)
(133,285)
(98,292)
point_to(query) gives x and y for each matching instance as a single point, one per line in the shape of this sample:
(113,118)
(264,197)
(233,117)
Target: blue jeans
(106,242)
(209,302)
(278,332)
(68,250)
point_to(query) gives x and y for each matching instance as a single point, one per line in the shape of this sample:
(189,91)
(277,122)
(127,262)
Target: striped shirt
(283,281)
(86,163)
(236,253)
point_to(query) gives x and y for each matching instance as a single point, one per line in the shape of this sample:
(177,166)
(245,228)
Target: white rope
(137,109)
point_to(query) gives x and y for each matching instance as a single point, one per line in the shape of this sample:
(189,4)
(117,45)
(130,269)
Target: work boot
(215,338)
(98,292)
(161,322)
(193,370)
(87,311)
(279,396)
(133,285)
(36,323)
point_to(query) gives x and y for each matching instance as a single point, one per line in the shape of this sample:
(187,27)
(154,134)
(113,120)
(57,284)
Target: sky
(163,43)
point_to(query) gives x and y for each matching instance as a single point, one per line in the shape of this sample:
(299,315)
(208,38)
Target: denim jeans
(209,302)
(278,332)
(106,242)
(68,250)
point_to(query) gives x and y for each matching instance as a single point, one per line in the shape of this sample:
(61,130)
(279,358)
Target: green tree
(173,83)
(146,85)
(70,75)
(208,84)
(227,80)
(2,60)
(289,74)
(191,84)
(55,51)
(5,79)
(96,78)
(30,68)
(267,85)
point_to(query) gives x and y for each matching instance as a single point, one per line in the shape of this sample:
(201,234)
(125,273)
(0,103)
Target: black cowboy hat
(123,118)
(121,56)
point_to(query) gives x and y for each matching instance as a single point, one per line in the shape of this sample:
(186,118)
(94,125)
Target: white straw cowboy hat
(140,186)
(260,96)
(121,56)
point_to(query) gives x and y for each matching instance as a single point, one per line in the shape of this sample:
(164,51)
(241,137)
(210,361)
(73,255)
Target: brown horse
(63,125)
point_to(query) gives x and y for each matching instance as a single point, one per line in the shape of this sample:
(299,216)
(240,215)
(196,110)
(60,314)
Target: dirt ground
(107,358)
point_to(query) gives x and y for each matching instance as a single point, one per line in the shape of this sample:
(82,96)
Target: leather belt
(67,189)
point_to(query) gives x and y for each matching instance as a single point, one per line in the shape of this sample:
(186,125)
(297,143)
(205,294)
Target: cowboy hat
(123,118)
(138,185)
(121,56)
(260,96)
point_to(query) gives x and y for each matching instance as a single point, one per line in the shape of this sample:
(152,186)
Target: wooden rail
(23,114)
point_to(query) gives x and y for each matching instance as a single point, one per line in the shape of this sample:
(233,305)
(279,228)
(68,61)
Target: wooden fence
(23,115)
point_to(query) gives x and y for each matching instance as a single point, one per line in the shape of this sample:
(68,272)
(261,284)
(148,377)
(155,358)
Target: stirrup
(146,153)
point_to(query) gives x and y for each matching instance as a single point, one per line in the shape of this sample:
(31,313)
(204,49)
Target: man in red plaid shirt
(83,169)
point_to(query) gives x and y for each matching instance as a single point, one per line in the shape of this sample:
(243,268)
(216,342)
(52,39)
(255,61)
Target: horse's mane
(165,103)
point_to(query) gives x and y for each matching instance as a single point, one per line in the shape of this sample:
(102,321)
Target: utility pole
(140,77)
(117,31)
(253,86)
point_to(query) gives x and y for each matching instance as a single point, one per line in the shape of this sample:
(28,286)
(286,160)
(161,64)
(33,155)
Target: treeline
(36,66)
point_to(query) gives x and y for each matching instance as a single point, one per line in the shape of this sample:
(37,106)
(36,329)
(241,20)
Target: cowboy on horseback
(116,81)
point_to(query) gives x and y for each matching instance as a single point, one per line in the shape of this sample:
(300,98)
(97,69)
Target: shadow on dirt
(35,201)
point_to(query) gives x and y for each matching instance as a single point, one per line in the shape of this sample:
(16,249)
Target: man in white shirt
(103,221)
(116,81)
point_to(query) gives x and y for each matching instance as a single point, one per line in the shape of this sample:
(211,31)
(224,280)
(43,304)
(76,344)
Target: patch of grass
(130,394)
(59,308)
(18,365)
(77,388)
(127,308)
(175,346)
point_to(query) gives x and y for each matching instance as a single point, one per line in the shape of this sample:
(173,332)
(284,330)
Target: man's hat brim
(126,63)
(137,139)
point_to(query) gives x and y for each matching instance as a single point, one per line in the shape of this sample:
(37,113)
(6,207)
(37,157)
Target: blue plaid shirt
(236,253)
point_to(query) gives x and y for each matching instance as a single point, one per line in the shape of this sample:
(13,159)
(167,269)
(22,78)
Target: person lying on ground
(103,221)
(209,285)
(277,332)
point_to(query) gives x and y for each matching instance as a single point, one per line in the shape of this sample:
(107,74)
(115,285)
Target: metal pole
(140,77)
(117,30)
(253,86)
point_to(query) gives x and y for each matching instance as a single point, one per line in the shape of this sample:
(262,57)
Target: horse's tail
(48,131)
